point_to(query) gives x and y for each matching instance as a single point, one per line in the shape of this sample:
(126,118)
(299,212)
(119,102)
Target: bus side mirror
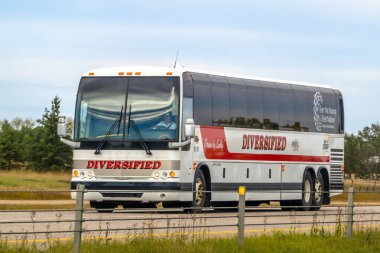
(189,129)
(62,127)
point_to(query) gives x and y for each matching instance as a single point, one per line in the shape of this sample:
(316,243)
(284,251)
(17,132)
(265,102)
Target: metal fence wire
(73,223)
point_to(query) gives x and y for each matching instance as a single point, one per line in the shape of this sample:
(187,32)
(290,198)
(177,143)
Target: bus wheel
(319,187)
(103,207)
(307,192)
(200,196)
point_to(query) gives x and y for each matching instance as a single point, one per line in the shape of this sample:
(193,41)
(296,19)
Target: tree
(371,148)
(48,153)
(8,146)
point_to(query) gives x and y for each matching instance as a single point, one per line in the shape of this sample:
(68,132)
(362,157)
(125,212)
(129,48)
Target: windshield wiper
(110,132)
(139,135)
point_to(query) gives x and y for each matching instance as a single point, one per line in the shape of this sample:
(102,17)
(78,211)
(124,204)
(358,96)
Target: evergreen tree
(48,153)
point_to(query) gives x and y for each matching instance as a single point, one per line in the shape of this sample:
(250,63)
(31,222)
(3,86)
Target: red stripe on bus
(215,147)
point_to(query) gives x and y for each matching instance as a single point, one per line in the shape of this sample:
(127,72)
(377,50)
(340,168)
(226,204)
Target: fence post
(241,215)
(350,212)
(78,218)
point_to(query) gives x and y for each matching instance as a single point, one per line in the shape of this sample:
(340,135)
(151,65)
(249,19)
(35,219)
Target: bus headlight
(164,175)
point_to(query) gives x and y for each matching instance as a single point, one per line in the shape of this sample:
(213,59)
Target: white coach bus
(145,135)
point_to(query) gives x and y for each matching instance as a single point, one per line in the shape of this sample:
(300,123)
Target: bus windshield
(151,102)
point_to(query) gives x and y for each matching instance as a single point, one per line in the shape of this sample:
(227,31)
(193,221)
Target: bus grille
(336,177)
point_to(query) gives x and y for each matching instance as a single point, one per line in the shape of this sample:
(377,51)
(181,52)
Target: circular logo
(318,100)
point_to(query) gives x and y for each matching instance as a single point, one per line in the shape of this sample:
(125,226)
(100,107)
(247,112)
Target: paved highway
(128,223)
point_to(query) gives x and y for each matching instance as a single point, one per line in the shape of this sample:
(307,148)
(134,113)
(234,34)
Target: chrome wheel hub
(199,188)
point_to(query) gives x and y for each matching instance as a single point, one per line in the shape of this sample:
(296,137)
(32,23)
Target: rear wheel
(307,200)
(103,207)
(319,195)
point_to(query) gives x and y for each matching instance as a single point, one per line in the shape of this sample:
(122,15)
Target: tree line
(362,152)
(35,145)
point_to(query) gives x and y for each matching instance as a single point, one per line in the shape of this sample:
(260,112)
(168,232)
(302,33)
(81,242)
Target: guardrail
(20,225)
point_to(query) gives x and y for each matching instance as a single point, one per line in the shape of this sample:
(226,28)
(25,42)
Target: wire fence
(81,223)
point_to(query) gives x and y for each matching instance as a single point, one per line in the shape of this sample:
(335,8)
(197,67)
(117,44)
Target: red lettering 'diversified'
(141,165)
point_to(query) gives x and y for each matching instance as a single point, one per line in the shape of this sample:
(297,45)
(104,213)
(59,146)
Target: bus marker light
(137,73)
(129,73)
(172,174)
(169,73)
(342,167)
(121,73)
(76,173)
(282,167)
(194,166)
(91,73)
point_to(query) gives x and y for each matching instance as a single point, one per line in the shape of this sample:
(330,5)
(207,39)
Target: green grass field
(364,241)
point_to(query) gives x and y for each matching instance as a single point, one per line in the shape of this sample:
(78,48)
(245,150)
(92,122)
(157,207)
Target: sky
(45,46)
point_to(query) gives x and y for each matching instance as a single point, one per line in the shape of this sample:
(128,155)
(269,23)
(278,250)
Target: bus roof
(170,71)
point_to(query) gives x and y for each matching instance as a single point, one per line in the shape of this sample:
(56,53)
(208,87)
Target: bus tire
(199,188)
(307,200)
(319,195)
(103,207)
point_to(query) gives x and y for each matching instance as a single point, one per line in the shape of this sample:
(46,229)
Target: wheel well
(325,176)
(206,173)
(311,171)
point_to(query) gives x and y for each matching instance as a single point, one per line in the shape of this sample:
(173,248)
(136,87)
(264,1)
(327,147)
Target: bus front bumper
(134,191)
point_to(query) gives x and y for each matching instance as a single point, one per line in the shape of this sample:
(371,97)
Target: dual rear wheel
(313,194)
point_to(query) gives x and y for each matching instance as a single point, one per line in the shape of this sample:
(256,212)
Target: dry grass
(365,191)
(23,180)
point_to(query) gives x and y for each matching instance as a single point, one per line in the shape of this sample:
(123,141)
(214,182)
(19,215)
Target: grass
(363,241)
(367,187)
(23,180)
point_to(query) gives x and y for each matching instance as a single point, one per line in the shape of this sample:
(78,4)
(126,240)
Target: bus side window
(220,101)
(286,106)
(255,104)
(238,102)
(202,99)
(270,105)
(301,114)
(187,113)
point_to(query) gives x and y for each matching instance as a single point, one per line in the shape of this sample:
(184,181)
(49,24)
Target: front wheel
(199,188)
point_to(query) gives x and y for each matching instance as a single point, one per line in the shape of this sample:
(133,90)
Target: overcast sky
(45,46)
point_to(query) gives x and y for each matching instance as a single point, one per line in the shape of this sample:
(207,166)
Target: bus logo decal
(123,165)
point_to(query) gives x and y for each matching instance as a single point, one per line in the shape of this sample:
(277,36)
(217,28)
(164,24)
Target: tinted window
(220,101)
(187,85)
(301,114)
(202,99)
(286,106)
(255,104)
(271,116)
(325,111)
(238,102)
